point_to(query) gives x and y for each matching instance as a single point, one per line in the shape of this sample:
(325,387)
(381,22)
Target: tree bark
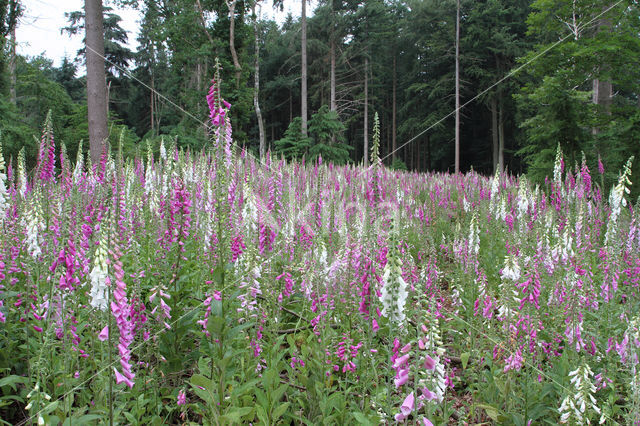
(457,147)
(428,152)
(203,22)
(332,54)
(501,135)
(232,40)
(152,106)
(256,93)
(96,79)
(602,89)
(303,88)
(494,131)
(394,140)
(366,111)
(12,67)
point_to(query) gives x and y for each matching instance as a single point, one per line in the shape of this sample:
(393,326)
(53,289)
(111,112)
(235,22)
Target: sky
(39,29)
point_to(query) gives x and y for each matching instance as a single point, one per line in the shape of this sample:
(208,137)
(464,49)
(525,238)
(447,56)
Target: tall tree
(303,67)
(256,93)
(96,78)
(231,5)
(457,131)
(10,11)
(558,106)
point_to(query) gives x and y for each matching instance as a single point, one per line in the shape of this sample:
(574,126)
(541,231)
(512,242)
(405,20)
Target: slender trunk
(232,40)
(332,54)
(457,149)
(494,131)
(12,66)
(428,152)
(394,141)
(418,155)
(501,136)
(332,100)
(256,93)
(366,110)
(96,78)
(153,94)
(203,22)
(303,89)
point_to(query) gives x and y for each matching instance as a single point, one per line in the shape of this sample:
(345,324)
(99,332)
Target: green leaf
(12,381)
(492,412)
(262,398)
(362,419)
(465,359)
(89,419)
(277,394)
(200,380)
(262,415)
(129,416)
(278,412)
(215,325)
(50,408)
(237,413)
(237,329)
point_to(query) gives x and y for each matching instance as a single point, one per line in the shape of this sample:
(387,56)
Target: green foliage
(398,164)
(326,130)
(325,139)
(561,117)
(556,105)
(293,145)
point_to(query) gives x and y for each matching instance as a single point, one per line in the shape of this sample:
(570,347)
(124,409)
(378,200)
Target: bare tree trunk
(457,148)
(153,95)
(494,131)
(332,54)
(256,92)
(96,78)
(12,66)
(394,141)
(602,90)
(428,152)
(501,136)
(203,22)
(366,111)
(232,40)
(418,155)
(303,90)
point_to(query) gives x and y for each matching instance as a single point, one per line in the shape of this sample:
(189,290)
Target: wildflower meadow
(180,287)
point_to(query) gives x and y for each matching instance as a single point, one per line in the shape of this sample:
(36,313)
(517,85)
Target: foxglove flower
(393,294)
(578,406)
(99,276)
(33,227)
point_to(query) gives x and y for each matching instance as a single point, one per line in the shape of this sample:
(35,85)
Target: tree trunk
(232,40)
(394,140)
(303,89)
(96,79)
(457,148)
(428,152)
(256,93)
(12,66)
(366,111)
(10,20)
(501,136)
(494,131)
(418,155)
(602,90)
(153,94)
(332,54)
